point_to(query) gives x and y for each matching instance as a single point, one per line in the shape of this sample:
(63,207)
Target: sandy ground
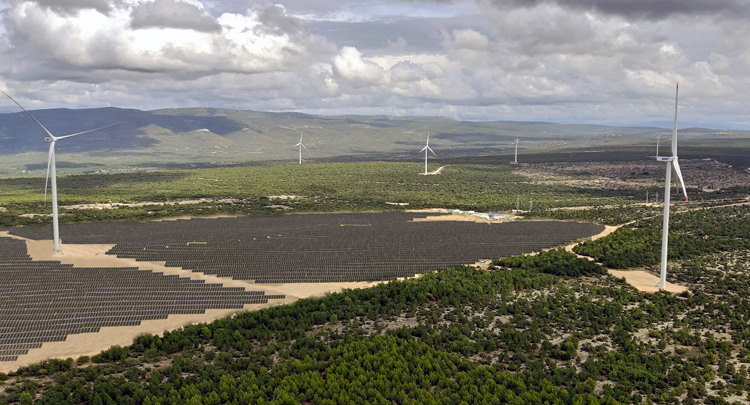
(463,217)
(639,279)
(431,210)
(435,172)
(193,217)
(93,343)
(607,230)
(644,281)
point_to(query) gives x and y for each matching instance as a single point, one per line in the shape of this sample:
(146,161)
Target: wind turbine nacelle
(664,159)
(47,139)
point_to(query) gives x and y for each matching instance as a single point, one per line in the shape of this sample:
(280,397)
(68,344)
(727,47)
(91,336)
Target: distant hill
(187,137)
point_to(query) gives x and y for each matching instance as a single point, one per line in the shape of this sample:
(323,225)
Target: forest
(692,235)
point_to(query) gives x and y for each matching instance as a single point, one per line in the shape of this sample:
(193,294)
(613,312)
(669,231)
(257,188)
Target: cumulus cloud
(579,60)
(398,76)
(172,14)
(166,36)
(350,66)
(467,45)
(647,9)
(71,6)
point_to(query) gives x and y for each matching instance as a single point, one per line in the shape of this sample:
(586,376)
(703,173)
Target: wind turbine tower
(51,169)
(671,161)
(300,147)
(516,158)
(425,149)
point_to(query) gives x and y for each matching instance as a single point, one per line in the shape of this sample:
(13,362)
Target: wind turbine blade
(49,163)
(300,137)
(79,133)
(296,145)
(423,149)
(679,176)
(430,149)
(674,130)
(29,114)
(304,146)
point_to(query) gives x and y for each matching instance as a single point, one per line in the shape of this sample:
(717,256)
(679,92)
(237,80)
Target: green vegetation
(554,261)
(620,214)
(328,187)
(456,336)
(692,234)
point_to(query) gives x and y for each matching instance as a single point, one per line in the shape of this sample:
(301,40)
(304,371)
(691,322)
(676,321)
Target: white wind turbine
(51,168)
(425,149)
(658,139)
(300,147)
(672,160)
(516,158)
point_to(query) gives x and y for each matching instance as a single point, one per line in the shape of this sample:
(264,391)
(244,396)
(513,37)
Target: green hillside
(207,137)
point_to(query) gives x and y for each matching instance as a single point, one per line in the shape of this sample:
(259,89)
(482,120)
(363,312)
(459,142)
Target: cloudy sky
(572,61)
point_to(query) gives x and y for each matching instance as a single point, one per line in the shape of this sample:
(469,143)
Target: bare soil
(645,281)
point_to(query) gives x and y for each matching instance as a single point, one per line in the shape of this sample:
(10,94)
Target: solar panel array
(318,248)
(45,301)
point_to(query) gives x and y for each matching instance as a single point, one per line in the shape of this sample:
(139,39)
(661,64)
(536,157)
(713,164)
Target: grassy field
(484,183)
(359,186)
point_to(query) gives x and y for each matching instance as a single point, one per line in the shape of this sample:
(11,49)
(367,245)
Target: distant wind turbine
(658,138)
(300,147)
(425,149)
(672,160)
(51,169)
(516,158)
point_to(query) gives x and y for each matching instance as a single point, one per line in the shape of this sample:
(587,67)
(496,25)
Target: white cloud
(350,66)
(173,14)
(540,60)
(144,36)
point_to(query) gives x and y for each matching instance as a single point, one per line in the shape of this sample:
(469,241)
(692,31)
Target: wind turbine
(51,168)
(516,158)
(300,147)
(658,138)
(671,160)
(425,149)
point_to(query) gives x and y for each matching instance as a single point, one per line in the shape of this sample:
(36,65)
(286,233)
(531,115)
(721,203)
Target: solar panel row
(48,300)
(45,301)
(320,248)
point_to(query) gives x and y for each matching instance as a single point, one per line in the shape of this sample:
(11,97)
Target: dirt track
(435,172)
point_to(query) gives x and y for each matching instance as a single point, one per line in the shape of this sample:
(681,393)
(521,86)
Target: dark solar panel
(45,301)
(318,248)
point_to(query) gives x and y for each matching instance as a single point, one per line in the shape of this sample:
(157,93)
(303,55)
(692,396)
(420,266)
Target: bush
(209,356)
(25,399)
(113,354)
(556,261)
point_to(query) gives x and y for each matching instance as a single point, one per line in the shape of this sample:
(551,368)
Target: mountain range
(190,137)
